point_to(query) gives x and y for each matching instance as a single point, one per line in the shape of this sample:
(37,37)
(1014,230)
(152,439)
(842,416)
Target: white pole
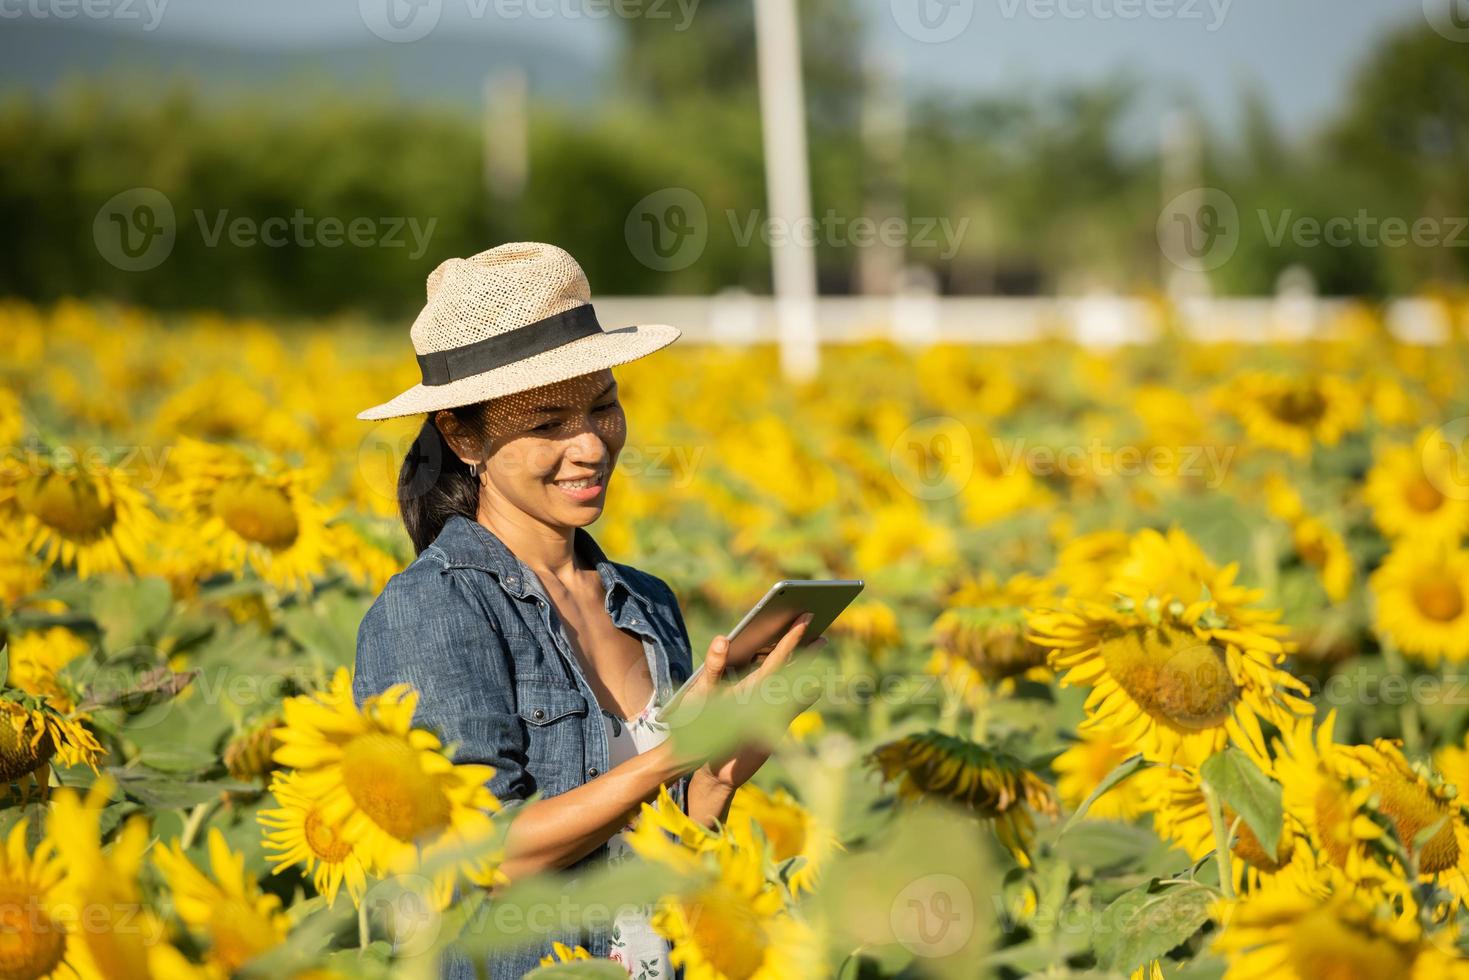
(788,185)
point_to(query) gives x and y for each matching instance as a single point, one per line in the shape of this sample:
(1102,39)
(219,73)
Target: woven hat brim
(601,350)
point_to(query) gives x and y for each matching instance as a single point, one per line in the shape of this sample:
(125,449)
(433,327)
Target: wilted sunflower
(228,912)
(1422,593)
(89,518)
(386,785)
(990,784)
(1416,801)
(979,638)
(33,730)
(790,828)
(1404,491)
(243,515)
(296,833)
(734,923)
(1325,790)
(1282,933)
(1082,767)
(1292,412)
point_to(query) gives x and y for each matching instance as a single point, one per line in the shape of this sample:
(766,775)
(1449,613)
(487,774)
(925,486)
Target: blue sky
(1299,54)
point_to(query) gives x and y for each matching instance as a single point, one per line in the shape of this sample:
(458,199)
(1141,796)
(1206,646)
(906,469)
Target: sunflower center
(1412,808)
(1421,495)
(17,757)
(1247,846)
(31,944)
(72,506)
(728,932)
(324,841)
(1323,946)
(385,779)
(1299,407)
(1438,597)
(1173,675)
(257,511)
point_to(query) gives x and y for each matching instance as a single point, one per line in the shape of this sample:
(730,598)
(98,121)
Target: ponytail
(434,484)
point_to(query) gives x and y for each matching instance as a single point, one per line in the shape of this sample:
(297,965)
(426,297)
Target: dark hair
(434,484)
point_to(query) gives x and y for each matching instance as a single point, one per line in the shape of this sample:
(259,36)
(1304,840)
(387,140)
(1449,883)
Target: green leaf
(160,790)
(1243,788)
(1103,845)
(1120,772)
(1144,923)
(129,611)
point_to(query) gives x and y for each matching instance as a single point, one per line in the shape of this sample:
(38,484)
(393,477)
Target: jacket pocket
(555,727)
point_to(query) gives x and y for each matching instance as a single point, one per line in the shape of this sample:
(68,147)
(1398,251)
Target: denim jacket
(469,625)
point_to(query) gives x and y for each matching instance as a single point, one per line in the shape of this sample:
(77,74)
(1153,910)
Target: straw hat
(515,317)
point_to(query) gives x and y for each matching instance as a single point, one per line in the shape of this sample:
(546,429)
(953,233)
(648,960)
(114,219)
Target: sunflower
(365,561)
(1083,766)
(1404,488)
(1415,801)
(20,572)
(1177,681)
(872,625)
(1282,933)
(245,515)
(1422,593)
(33,908)
(1181,815)
(561,953)
(106,882)
(789,827)
(297,834)
(88,518)
(33,730)
(250,754)
(732,922)
(992,785)
(1292,412)
(1085,563)
(36,655)
(1325,791)
(1322,548)
(386,786)
(228,911)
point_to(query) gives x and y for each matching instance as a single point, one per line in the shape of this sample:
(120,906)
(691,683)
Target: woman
(531,650)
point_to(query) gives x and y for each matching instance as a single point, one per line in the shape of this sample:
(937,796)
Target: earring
(474,470)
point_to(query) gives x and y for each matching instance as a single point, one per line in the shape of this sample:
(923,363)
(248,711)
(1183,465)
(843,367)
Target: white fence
(737,317)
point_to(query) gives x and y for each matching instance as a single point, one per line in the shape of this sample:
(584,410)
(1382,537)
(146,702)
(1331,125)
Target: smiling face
(536,444)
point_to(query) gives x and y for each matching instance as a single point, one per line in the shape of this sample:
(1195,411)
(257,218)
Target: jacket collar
(469,544)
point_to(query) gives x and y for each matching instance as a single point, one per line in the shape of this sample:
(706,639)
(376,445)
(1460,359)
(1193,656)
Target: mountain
(444,69)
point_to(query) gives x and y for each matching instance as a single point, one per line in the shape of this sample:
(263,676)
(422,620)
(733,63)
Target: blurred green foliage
(1045,191)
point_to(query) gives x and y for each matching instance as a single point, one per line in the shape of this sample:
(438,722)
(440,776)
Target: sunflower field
(1161,668)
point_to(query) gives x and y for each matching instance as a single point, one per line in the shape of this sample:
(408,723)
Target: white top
(634,943)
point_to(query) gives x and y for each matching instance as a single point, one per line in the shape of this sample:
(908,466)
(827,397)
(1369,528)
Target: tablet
(760,630)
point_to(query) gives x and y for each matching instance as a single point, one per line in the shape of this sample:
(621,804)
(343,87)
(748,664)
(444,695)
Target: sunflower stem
(949,713)
(1221,841)
(979,726)
(195,822)
(1408,712)
(364,933)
